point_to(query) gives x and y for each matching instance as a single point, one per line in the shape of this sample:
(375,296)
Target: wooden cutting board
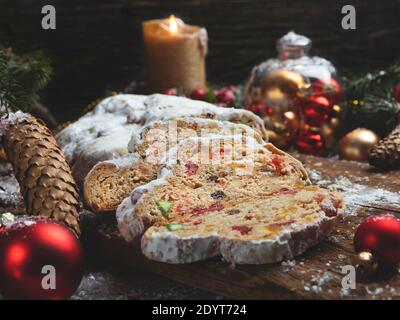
(315,275)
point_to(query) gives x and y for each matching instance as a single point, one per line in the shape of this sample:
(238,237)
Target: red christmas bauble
(396,92)
(380,235)
(309,142)
(316,110)
(330,88)
(170,92)
(260,108)
(226,95)
(199,94)
(39,259)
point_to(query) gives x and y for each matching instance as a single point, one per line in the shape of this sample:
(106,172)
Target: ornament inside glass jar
(309,142)
(293,82)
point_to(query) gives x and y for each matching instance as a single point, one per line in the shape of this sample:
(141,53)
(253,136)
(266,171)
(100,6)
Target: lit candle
(175,54)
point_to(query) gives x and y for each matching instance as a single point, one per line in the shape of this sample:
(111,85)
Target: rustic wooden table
(103,280)
(314,275)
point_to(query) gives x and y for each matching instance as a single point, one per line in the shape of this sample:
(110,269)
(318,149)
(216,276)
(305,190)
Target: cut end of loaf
(107,185)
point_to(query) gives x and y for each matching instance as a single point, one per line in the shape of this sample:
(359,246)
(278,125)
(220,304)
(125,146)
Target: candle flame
(173,25)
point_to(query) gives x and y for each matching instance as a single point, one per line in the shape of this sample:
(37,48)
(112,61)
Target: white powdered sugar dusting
(4,124)
(7,120)
(318,282)
(356,194)
(288,265)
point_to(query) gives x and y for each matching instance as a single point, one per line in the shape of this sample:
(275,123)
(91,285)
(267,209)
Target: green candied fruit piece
(164,207)
(174,226)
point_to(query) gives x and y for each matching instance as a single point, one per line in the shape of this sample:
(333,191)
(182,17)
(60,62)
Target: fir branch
(21,77)
(373,83)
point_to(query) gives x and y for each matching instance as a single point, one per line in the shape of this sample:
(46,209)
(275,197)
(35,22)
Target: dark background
(97,45)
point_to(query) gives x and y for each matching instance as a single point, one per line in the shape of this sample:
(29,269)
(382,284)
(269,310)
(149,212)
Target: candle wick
(172,24)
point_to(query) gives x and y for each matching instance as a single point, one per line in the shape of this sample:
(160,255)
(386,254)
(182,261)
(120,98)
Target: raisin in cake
(262,214)
(109,182)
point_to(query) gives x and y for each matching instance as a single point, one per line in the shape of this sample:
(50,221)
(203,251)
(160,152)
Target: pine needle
(21,77)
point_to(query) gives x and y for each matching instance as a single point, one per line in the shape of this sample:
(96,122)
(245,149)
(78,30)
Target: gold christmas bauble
(282,84)
(278,139)
(328,133)
(365,263)
(355,145)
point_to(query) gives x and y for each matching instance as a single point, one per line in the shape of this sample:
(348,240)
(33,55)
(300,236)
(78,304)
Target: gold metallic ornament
(276,132)
(356,144)
(329,130)
(365,263)
(278,139)
(282,84)
(335,124)
(291,120)
(329,135)
(337,109)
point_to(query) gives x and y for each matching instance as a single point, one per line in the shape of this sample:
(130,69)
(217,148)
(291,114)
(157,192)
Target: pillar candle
(175,55)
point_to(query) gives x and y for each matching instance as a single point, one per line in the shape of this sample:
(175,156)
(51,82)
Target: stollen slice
(218,164)
(242,208)
(109,182)
(161,107)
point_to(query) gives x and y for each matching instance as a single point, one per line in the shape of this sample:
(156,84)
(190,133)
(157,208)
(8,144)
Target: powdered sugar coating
(109,144)
(163,107)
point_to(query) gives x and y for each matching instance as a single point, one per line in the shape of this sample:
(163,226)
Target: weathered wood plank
(315,275)
(98,43)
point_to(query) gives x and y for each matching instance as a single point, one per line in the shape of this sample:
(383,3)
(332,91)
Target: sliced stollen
(109,182)
(116,111)
(213,162)
(161,107)
(101,134)
(131,106)
(246,230)
(86,141)
(154,140)
(109,144)
(255,207)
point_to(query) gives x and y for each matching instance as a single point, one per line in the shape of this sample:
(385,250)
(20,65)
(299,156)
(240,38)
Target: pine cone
(387,151)
(43,174)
